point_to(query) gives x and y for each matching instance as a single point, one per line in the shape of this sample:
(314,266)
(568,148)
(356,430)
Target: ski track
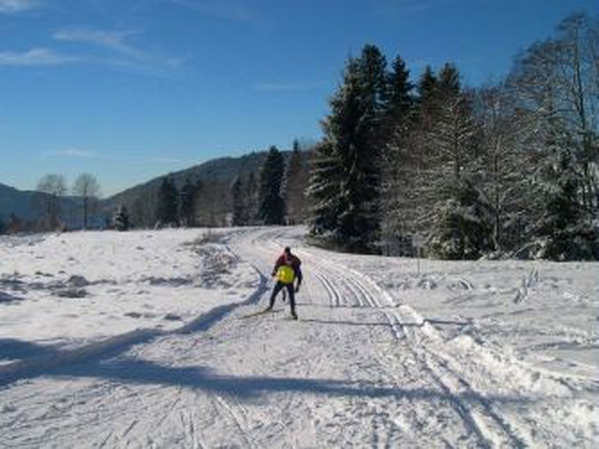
(359,290)
(114,413)
(489,427)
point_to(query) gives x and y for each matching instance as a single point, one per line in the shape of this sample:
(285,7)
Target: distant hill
(22,204)
(215,170)
(18,202)
(141,199)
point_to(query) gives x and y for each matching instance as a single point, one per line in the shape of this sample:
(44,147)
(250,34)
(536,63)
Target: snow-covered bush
(463,230)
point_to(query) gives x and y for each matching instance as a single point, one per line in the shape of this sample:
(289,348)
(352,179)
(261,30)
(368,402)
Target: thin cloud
(112,40)
(128,56)
(15,6)
(76,153)
(36,57)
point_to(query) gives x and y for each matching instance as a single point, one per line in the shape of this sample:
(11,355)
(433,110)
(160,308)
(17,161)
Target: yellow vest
(285,274)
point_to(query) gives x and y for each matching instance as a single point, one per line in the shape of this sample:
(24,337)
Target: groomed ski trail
(357,370)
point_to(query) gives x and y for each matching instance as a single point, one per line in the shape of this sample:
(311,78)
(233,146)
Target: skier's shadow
(247,387)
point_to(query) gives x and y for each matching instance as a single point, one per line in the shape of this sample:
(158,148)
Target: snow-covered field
(142,339)
(69,290)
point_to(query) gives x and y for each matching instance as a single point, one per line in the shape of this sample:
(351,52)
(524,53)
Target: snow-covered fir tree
(396,156)
(562,229)
(168,199)
(458,205)
(272,204)
(345,179)
(295,183)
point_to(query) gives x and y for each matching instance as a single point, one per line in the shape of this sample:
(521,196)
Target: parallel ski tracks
(478,415)
(343,287)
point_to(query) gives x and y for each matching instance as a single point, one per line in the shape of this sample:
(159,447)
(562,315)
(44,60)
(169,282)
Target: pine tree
(239,211)
(186,202)
(399,92)
(295,184)
(324,191)
(453,134)
(167,213)
(345,178)
(564,232)
(272,204)
(437,195)
(427,96)
(454,190)
(251,200)
(397,166)
(372,71)
(463,229)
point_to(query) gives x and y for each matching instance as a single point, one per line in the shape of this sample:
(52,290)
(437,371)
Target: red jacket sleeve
(280,261)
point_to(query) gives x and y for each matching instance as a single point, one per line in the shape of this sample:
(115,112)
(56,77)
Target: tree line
(272,195)
(506,169)
(55,209)
(275,195)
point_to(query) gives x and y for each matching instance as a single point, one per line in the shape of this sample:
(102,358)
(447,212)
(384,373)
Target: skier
(286,270)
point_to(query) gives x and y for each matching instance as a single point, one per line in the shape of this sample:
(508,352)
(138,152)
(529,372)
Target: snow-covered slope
(385,354)
(68,290)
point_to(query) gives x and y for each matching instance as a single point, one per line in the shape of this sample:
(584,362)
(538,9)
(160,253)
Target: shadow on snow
(248,387)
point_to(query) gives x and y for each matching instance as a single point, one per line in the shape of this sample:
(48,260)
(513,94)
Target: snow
(69,290)
(143,339)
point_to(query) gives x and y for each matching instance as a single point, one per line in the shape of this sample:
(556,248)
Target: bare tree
(87,189)
(557,85)
(51,188)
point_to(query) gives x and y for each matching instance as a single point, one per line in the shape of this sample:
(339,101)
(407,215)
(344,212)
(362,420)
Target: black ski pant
(275,291)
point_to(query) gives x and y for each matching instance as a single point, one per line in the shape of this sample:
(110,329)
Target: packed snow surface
(71,289)
(147,339)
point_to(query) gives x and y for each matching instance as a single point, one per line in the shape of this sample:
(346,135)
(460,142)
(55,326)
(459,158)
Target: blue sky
(132,89)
